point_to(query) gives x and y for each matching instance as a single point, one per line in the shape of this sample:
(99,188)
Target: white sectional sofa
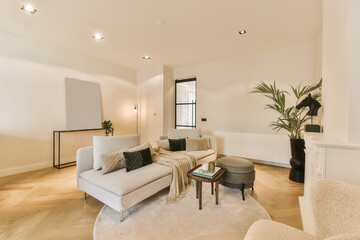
(120,189)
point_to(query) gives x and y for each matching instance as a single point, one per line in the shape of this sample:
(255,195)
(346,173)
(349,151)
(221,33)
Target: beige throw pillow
(196,144)
(112,161)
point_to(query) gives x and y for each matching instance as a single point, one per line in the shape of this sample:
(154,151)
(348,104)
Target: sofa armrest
(342,201)
(84,160)
(270,230)
(212,140)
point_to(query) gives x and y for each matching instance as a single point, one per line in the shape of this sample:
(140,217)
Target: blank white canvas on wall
(83,104)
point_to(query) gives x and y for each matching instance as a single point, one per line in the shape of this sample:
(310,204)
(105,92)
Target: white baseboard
(276,164)
(285,165)
(25,168)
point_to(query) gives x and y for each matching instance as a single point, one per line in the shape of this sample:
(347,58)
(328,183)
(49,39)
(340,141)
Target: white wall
(335,68)
(318,56)
(150,99)
(341,57)
(262,148)
(169,99)
(156,101)
(32,100)
(354,71)
(223,88)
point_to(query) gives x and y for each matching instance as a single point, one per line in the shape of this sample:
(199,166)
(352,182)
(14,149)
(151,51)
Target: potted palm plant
(290,119)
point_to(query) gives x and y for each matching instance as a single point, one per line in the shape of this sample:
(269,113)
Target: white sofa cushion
(198,155)
(142,147)
(109,144)
(121,182)
(164,144)
(183,133)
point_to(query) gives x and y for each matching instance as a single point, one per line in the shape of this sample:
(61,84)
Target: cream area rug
(153,218)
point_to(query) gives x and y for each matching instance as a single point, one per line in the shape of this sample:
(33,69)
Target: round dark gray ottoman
(240,173)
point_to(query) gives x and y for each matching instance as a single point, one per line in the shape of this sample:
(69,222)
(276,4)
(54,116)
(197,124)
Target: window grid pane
(185,104)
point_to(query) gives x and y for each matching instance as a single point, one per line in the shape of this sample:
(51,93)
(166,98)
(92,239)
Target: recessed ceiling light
(28,8)
(242,32)
(98,36)
(146,57)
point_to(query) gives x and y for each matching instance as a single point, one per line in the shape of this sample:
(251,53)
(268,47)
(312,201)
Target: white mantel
(327,157)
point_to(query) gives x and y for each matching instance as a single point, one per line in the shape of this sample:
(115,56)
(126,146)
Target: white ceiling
(195,31)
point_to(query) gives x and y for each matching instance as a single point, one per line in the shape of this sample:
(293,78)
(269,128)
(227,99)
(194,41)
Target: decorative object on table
(291,119)
(205,167)
(208,177)
(107,125)
(314,106)
(229,220)
(82,104)
(211,167)
(240,173)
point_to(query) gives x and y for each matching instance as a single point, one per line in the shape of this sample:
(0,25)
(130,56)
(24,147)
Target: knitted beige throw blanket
(180,164)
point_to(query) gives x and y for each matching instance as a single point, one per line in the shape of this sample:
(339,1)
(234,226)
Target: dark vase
(297,160)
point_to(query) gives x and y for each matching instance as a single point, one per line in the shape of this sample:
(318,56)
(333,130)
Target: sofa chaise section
(120,189)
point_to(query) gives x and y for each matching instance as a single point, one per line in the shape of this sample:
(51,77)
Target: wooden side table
(199,180)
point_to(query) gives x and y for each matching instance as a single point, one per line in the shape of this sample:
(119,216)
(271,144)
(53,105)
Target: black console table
(60,165)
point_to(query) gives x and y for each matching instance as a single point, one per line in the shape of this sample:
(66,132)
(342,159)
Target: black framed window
(185,103)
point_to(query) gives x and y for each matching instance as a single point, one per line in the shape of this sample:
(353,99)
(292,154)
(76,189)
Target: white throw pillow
(141,147)
(109,144)
(183,133)
(164,144)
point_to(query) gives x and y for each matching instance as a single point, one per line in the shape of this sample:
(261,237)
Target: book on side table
(203,173)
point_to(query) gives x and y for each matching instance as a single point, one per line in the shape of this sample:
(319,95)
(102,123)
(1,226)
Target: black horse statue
(310,102)
(314,107)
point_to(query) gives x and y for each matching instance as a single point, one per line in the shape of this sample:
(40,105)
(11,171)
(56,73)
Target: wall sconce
(136,107)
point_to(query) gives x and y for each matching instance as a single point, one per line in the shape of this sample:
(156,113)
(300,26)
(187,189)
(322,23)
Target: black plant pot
(297,160)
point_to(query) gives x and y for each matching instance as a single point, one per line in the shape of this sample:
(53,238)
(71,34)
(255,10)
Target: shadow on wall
(220,144)
(32,83)
(34,51)
(17,151)
(31,153)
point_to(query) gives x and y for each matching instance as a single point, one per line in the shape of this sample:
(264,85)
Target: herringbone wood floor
(46,204)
